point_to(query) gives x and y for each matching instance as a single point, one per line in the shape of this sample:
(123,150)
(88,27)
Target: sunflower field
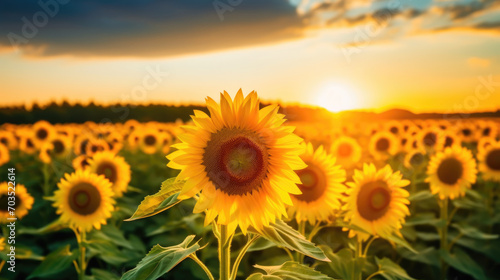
(239,192)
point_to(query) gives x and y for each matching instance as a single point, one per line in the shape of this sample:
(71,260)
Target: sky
(420,55)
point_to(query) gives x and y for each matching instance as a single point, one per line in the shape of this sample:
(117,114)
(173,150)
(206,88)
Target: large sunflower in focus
(114,168)
(451,172)
(84,200)
(489,161)
(321,187)
(376,201)
(23,202)
(242,159)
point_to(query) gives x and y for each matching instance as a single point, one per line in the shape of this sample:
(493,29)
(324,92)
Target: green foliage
(288,271)
(161,260)
(391,270)
(55,262)
(343,262)
(461,261)
(160,201)
(283,235)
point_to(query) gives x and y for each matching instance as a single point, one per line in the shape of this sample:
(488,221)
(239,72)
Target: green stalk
(80,236)
(202,265)
(444,235)
(358,255)
(224,253)
(237,262)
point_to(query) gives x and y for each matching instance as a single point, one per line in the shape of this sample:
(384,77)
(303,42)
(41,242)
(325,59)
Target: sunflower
(26,143)
(468,132)
(43,131)
(80,162)
(96,145)
(115,141)
(242,159)
(376,201)
(431,139)
(151,141)
(321,187)
(450,139)
(46,150)
(489,161)
(114,168)
(81,143)
(23,202)
(488,129)
(346,150)
(4,154)
(451,172)
(84,200)
(415,159)
(2,244)
(383,144)
(8,139)
(61,146)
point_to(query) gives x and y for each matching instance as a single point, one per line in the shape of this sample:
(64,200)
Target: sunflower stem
(302,231)
(81,246)
(224,253)
(46,185)
(367,246)
(357,271)
(444,234)
(237,262)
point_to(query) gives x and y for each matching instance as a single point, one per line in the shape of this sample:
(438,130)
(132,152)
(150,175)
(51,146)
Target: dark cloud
(489,25)
(143,28)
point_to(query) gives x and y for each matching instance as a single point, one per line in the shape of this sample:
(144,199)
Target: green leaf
(107,251)
(392,270)
(343,262)
(260,245)
(161,260)
(473,232)
(490,248)
(428,256)
(400,241)
(467,203)
(54,226)
(426,218)
(421,195)
(160,201)
(288,271)
(283,235)
(100,274)
(462,262)
(55,262)
(112,234)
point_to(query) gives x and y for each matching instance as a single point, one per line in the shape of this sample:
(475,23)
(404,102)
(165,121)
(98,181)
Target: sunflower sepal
(283,235)
(161,260)
(164,199)
(288,270)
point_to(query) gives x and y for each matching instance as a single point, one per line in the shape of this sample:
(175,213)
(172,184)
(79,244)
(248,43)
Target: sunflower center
(83,146)
(430,139)
(236,160)
(108,170)
(150,140)
(394,130)
(487,131)
(373,200)
(58,146)
(382,144)
(448,142)
(344,150)
(84,199)
(42,133)
(417,159)
(29,143)
(493,159)
(450,171)
(313,183)
(4,203)
(466,132)
(4,141)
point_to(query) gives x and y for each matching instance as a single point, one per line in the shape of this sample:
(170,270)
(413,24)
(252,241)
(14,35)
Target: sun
(337,97)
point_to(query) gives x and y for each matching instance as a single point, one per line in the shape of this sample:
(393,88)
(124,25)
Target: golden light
(337,97)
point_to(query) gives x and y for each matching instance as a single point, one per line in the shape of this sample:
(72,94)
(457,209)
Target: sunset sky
(421,55)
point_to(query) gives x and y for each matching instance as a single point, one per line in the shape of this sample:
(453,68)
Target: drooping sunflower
(489,161)
(114,168)
(346,150)
(376,201)
(242,159)
(383,144)
(23,202)
(321,187)
(451,172)
(4,154)
(84,200)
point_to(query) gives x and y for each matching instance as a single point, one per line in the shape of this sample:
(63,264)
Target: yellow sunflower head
(451,172)
(242,159)
(8,139)
(4,154)
(321,187)
(376,201)
(43,131)
(23,201)
(84,200)
(346,150)
(114,168)
(489,161)
(431,139)
(151,141)
(27,144)
(415,159)
(383,144)
(61,146)
(80,162)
